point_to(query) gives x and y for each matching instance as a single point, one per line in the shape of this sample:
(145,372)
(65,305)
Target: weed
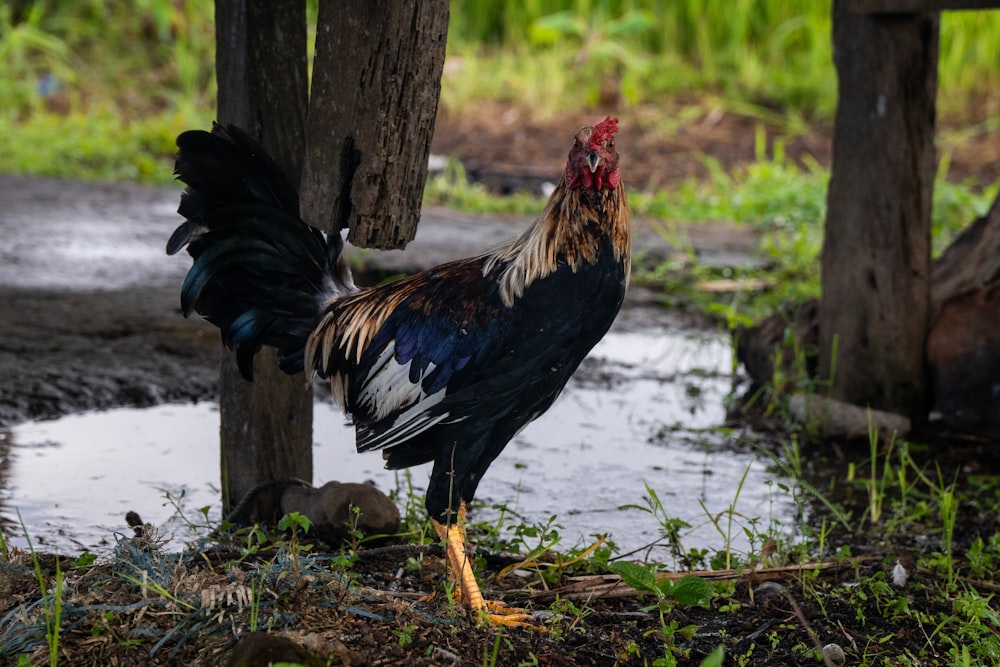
(294,523)
(671,529)
(51,600)
(414,524)
(4,547)
(564,610)
(490,659)
(875,483)
(949,514)
(199,526)
(405,635)
(726,563)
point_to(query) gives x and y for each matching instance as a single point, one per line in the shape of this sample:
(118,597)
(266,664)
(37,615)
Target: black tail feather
(259,272)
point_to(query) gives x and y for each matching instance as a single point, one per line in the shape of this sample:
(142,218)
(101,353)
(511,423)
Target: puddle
(640,411)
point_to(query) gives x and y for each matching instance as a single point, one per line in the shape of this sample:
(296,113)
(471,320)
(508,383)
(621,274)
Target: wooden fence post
(266,426)
(876,249)
(375,89)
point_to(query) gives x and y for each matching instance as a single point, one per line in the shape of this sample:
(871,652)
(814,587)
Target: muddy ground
(80,331)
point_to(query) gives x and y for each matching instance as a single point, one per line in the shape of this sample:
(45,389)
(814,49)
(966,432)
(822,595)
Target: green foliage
(145,57)
(82,562)
(451,188)
(94,146)
(753,53)
(294,522)
(786,204)
(687,590)
(33,59)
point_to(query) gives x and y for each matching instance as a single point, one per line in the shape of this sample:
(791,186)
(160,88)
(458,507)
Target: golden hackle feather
(571,225)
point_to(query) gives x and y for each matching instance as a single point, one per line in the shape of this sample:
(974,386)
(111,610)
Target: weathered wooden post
(266,426)
(873,316)
(375,89)
(370,123)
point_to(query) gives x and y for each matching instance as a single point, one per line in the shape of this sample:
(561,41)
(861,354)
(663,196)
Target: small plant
(490,658)
(726,561)
(949,515)
(876,483)
(671,528)
(201,525)
(405,635)
(414,524)
(294,523)
(82,562)
(564,610)
(687,590)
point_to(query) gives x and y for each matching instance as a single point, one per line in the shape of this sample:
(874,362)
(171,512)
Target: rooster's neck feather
(569,229)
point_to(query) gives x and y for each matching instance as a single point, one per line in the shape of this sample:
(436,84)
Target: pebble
(768,589)
(834,654)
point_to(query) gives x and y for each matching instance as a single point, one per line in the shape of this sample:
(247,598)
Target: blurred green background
(100,88)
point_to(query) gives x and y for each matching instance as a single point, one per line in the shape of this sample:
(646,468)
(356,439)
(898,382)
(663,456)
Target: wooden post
(266,426)
(876,249)
(375,89)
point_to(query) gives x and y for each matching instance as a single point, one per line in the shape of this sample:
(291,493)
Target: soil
(65,349)
(390,608)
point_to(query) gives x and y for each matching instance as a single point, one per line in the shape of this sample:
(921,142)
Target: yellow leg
(466,588)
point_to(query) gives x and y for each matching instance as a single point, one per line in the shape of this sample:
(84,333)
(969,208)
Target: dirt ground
(63,351)
(378,613)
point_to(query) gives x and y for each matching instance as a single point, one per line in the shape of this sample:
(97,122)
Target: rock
(259,649)
(834,654)
(768,589)
(330,508)
(836,419)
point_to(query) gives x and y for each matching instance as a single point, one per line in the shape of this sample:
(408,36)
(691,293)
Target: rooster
(444,366)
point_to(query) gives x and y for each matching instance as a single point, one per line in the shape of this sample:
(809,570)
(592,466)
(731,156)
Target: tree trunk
(876,251)
(375,89)
(266,426)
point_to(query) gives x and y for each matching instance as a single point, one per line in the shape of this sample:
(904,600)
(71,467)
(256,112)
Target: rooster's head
(593,160)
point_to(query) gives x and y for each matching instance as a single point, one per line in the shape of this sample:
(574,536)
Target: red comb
(603,131)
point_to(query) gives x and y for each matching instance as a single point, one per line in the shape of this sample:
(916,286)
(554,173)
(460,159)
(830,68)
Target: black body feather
(258,270)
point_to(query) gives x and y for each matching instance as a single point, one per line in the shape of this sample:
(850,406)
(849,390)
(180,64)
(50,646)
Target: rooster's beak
(593,161)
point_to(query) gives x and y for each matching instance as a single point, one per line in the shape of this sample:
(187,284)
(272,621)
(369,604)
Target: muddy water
(643,409)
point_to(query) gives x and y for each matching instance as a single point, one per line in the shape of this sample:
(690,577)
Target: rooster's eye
(611,144)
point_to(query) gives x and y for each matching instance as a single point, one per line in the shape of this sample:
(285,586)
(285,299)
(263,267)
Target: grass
(785,204)
(552,54)
(52,601)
